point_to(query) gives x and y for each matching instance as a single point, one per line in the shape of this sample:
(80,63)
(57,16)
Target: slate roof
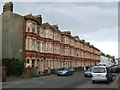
(31,17)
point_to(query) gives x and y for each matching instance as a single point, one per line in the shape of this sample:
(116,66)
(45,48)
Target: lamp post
(23,59)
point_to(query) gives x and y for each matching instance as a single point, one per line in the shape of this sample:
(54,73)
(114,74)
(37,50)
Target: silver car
(88,73)
(101,73)
(64,72)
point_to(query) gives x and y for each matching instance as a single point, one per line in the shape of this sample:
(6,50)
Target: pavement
(116,82)
(10,80)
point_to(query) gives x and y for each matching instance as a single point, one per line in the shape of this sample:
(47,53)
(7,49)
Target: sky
(96,22)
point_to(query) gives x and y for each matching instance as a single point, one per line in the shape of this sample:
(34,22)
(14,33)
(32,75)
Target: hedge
(14,66)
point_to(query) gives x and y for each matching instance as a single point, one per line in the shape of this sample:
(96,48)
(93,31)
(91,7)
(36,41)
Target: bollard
(3,74)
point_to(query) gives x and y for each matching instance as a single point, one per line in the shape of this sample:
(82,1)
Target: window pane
(46,47)
(51,48)
(38,46)
(28,44)
(33,27)
(46,63)
(54,36)
(28,29)
(42,47)
(50,63)
(54,64)
(51,34)
(41,33)
(28,24)
(33,44)
(28,61)
(46,33)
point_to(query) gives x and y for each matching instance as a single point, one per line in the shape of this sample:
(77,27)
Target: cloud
(106,34)
(110,48)
(61,0)
(95,22)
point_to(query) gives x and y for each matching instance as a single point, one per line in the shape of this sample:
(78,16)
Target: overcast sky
(96,22)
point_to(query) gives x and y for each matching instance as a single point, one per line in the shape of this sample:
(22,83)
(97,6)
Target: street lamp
(22,59)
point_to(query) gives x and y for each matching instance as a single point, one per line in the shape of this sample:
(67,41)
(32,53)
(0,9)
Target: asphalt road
(75,81)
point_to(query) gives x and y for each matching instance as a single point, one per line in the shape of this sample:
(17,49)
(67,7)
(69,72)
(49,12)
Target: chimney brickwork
(8,7)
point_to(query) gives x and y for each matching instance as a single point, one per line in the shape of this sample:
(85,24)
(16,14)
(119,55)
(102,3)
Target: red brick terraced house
(43,45)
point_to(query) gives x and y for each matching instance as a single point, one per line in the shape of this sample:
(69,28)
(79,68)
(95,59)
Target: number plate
(98,74)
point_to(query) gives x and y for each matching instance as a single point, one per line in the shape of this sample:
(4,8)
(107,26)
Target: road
(75,81)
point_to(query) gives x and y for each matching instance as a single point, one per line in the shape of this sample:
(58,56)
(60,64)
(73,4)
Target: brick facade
(48,47)
(45,46)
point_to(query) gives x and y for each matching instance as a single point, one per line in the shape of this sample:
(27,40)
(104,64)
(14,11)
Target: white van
(101,73)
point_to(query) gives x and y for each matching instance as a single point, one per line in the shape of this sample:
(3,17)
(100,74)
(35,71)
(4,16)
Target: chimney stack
(39,18)
(8,7)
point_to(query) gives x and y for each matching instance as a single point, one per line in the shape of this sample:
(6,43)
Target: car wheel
(85,75)
(111,78)
(108,81)
(93,81)
(67,74)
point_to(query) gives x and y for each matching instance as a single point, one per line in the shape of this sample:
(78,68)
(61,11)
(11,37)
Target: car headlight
(63,72)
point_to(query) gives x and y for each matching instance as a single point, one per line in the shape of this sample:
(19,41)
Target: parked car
(101,73)
(64,72)
(88,73)
(115,68)
(86,67)
(71,69)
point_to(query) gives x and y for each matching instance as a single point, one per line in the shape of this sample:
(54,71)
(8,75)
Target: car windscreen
(89,69)
(99,70)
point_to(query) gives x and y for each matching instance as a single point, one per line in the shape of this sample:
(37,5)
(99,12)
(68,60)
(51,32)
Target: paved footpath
(117,83)
(22,79)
